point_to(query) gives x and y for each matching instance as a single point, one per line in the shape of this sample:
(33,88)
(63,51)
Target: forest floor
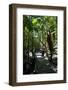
(44,66)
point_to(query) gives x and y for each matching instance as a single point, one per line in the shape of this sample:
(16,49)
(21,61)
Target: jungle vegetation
(39,32)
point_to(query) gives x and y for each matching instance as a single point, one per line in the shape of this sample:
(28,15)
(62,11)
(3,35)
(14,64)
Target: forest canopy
(36,30)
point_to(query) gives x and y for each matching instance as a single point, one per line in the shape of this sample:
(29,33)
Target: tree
(36,29)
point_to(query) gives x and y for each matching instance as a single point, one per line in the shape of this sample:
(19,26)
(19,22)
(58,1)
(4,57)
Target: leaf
(34,21)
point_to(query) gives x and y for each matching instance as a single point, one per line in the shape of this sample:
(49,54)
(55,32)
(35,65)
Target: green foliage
(36,30)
